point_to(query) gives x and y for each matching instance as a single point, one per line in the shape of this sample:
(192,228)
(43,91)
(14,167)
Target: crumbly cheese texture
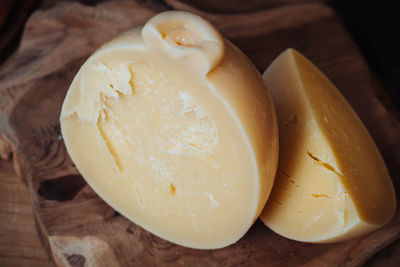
(332,183)
(173,127)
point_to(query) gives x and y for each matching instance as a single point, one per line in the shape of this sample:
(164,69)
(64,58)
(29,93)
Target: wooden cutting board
(75,225)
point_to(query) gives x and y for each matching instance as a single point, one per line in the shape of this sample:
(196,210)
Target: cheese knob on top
(332,183)
(173,127)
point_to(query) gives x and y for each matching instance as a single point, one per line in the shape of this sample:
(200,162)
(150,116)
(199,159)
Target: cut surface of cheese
(332,183)
(173,127)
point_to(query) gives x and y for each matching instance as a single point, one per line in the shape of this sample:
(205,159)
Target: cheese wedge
(173,127)
(332,183)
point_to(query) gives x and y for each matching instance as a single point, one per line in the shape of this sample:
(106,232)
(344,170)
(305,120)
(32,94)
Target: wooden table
(20,245)
(19,241)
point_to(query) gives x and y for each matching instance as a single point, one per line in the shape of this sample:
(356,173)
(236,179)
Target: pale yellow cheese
(173,127)
(331,183)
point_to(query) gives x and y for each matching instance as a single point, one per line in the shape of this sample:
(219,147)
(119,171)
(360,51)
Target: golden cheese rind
(332,183)
(173,127)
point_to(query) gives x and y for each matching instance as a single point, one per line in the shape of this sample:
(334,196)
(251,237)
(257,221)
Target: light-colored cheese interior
(173,127)
(308,202)
(332,183)
(168,148)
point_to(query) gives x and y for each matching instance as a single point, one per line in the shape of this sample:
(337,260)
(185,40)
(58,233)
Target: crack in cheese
(332,184)
(173,127)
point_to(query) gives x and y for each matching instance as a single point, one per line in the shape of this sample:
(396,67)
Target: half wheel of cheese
(173,127)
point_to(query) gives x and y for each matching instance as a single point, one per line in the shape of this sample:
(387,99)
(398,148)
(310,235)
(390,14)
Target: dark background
(375,26)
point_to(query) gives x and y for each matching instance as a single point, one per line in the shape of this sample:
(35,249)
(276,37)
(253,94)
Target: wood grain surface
(19,242)
(75,225)
(13,15)
(20,245)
